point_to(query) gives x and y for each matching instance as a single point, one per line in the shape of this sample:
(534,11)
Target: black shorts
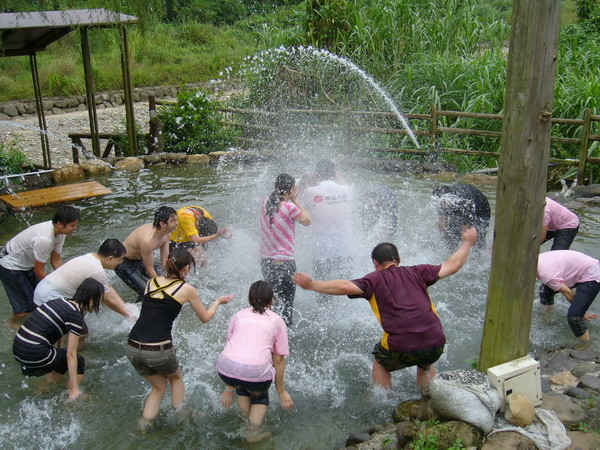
(392,361)
(58,365)
(257,391)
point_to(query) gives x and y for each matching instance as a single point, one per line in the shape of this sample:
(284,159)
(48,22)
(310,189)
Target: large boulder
(68,173)
(94,167)
(197,159)
(130,164)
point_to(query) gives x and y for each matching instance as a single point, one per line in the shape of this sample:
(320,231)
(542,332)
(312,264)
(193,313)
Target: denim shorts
(392,361)
(153,362)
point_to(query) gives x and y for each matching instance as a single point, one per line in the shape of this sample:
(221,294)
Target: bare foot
(144,425)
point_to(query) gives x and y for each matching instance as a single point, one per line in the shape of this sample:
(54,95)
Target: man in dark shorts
(413,334)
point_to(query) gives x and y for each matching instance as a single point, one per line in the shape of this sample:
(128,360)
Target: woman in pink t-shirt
(279,213)
(253,357)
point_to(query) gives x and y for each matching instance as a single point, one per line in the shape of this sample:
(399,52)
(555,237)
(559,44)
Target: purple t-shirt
(400,301)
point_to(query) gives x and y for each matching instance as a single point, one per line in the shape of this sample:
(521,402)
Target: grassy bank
(449,52)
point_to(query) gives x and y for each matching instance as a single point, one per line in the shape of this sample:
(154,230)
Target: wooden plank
(56,194)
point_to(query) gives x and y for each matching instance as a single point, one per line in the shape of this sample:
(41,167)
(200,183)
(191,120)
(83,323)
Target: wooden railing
(267,128)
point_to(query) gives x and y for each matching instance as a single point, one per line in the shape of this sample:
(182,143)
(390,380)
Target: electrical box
(521,375)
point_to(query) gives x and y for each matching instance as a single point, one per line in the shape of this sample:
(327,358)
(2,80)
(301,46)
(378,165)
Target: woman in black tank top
(150,345)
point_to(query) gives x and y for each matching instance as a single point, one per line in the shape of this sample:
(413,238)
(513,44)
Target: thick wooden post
(583,151)
(522,180)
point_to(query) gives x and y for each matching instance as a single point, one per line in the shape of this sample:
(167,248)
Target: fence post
(434,127)
(585,134)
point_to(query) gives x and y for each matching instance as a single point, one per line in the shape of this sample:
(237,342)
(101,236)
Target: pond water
(328,371)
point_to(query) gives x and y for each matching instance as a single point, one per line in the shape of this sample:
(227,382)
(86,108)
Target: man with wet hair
(195,227)
(459,206)
(23,259)
(329,202)
(565,270)
(413,334)
(64,281)
(138,265)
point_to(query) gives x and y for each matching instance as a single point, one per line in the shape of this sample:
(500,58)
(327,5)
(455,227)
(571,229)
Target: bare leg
(244,404)
(152,405)
(257,414)
(424,376)
(177,389)
(381,376)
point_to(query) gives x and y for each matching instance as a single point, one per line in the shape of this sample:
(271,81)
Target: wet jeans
(585,293)
(279,273)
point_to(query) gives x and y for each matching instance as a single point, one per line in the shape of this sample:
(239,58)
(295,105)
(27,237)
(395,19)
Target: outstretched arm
(458,259)
(205,314)
(332,287)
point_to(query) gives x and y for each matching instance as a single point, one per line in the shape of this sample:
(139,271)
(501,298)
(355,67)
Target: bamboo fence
(267,128)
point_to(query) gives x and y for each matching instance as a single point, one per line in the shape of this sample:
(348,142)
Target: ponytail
(260,296)
(283,185)
(178,259)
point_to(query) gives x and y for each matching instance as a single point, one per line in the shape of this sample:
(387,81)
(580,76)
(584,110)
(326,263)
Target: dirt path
(23,132)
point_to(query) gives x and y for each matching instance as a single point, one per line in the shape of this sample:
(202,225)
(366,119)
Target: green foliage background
(448,52)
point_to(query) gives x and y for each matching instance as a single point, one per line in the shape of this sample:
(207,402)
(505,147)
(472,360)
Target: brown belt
(150,347)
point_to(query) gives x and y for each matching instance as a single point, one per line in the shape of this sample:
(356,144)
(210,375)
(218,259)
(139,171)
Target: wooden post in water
(521,185)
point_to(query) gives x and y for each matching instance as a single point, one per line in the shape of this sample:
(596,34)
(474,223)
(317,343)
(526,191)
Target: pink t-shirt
(567,267)
(252,338)
(278,238)
(557,217)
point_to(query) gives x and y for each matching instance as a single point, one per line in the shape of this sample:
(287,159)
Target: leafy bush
(13,160)
(193,125)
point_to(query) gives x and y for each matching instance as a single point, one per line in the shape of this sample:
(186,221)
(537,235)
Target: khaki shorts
(153,362)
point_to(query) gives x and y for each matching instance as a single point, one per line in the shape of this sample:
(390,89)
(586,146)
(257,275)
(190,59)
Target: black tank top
(159,311)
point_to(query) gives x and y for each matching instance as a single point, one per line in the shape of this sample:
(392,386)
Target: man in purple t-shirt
(413,334)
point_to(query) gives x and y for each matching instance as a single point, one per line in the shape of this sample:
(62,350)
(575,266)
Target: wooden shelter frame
(26,33)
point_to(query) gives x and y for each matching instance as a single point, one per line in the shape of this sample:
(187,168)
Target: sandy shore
(24,132)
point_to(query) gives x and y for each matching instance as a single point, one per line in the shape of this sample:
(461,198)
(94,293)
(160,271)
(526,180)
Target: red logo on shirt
(318,198)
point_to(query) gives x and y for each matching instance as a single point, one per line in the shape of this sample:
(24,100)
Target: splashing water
(336,75)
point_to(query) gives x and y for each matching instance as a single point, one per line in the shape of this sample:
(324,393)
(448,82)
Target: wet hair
(65,215)
(178,259)
(163,214)
(89,295)
(284,183)
(260,296)
(112,247)
(385,252)
(325,169)
(206,226)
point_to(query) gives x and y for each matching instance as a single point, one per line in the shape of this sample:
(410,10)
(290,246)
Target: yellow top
(188,219)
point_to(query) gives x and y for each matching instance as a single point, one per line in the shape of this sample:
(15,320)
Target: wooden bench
(56,194)
(113,140)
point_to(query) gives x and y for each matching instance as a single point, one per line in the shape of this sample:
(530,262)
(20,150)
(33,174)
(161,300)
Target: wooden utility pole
(521,185)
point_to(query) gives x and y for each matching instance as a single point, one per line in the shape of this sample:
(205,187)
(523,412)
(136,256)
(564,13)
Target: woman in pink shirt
(253,357)
(279,213)
(561,225)
(565,270)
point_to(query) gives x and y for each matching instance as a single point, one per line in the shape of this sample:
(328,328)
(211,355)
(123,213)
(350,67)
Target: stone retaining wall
(109,99)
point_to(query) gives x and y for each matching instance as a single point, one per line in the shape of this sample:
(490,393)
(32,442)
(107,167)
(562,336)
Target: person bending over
(565,270)
(23,259)
(195,228)
(254,356)
(65,280)
(138,265)
(413,334)
(33,345)
(561,226)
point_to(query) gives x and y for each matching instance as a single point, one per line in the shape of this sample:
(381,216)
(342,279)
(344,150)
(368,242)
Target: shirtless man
(138,265)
